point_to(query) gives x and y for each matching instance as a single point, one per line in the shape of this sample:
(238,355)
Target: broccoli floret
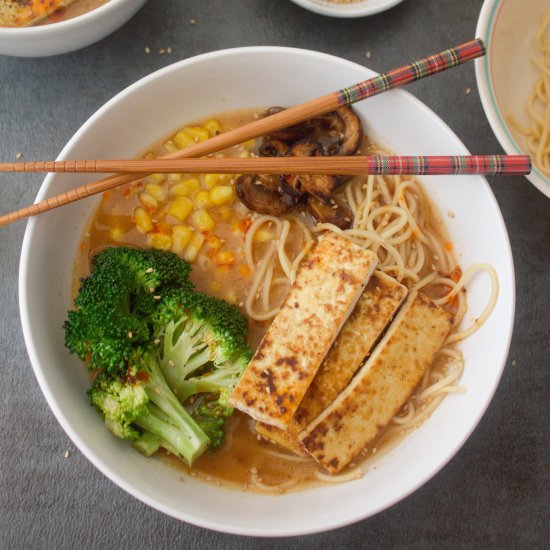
(166,357)
(143,400)
(202,349)
(113,308)
(211,415)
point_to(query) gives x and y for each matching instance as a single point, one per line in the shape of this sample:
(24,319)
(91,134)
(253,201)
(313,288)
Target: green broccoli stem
(186,447)
(149,443)
(182,432)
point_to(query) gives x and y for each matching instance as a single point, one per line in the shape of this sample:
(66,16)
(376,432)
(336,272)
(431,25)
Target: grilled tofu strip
(382,385)
(327,287)
(374,310)
(22,13)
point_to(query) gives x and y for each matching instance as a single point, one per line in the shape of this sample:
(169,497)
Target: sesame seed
(514,363)
(130,334)
(66,455)
(157,341)
(147,49)
(157,297)
(18,155)
(256,116)
(192,21)
(149,270)
(162,51)
(171,363)
(468,91)
(168,50)
(368,55)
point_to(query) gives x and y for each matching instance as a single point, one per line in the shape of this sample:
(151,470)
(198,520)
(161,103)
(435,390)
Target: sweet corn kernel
(204,221)
(170,146)
(181,237)
(244,154)
(231,297)
(193,248)
(225,257)
(157,178)
(182,139)
(250,144)
(174,178)
(197,133)
(148,201)
(156,190)
(162,241)
(116,234)
(143,220)
(213,127)
(184,188)
(202,199)
(211,180)
(263,235)
(222,194)
(149,155)
(180,208)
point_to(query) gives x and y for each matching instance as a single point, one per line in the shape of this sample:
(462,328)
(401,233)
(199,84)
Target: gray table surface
(494,493)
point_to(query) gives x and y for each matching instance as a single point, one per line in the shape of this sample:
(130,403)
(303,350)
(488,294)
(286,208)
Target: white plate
(505,76)
(355,9)
(189,91)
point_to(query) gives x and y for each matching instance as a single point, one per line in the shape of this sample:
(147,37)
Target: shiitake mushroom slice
(262,194)
(334,212)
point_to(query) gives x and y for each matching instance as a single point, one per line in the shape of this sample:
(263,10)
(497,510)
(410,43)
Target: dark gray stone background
(494,493)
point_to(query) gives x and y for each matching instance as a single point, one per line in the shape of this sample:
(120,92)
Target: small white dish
(505,76)
(67,36)
(352,9)
(195,89)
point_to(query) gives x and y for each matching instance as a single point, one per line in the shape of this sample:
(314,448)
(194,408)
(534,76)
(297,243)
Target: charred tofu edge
(332,438)
(378,304)
(328,284)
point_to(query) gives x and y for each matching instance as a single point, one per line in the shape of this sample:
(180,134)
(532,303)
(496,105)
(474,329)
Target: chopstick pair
(353,165)
(293,115)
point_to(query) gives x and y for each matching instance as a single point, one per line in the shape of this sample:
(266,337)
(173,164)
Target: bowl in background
(67,36)
(195,89)
(505,76)
(351,9)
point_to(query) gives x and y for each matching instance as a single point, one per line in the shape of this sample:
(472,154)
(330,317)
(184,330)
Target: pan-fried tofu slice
(374,310)
(381,386)
(327,287)
(22,13)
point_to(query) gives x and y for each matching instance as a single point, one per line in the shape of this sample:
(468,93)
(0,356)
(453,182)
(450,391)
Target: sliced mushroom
(321,186)
(353,133)
(273,148)
(334,213)
(262,194)
(292,184)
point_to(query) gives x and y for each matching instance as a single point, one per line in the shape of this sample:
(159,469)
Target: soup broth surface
(219,269)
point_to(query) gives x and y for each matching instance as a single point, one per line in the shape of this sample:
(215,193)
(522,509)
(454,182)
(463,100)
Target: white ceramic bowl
(355,9)
(188,91)
(505,76)
(70,35)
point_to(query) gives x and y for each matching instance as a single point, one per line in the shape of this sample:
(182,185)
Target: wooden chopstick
(293,115)
(354,165)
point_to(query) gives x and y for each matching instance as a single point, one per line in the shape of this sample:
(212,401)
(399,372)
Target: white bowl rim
(346,10)
(52,28)
(484,30)
(88,451)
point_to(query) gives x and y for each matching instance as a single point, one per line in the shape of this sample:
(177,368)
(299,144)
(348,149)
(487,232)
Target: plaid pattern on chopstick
(490,165)
(414,71)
